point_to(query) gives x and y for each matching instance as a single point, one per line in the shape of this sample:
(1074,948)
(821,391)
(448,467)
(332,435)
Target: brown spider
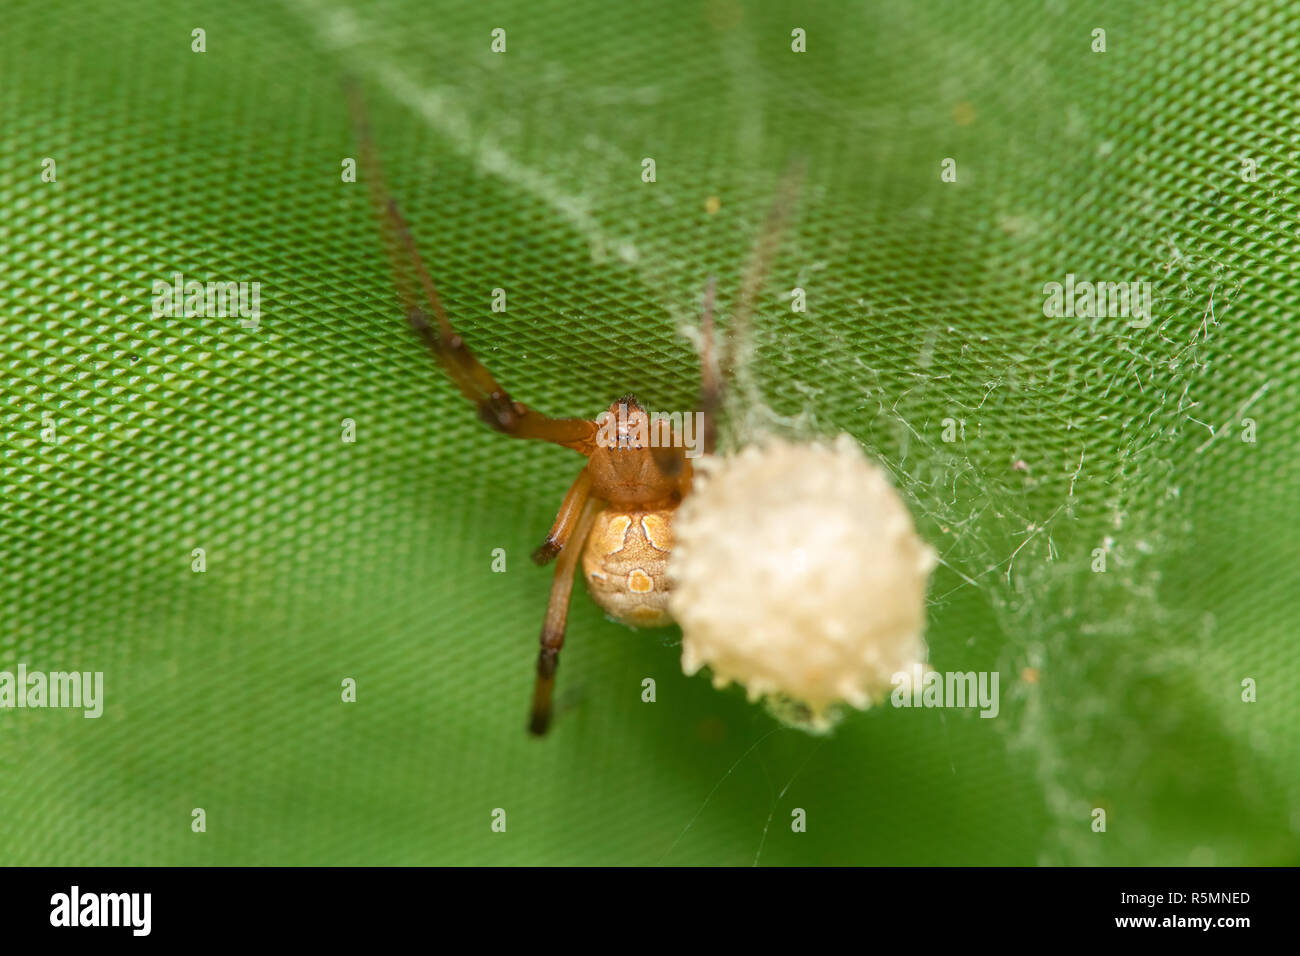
(617,516)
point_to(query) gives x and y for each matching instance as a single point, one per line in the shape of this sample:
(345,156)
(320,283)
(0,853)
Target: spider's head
(638,460)
(629,425)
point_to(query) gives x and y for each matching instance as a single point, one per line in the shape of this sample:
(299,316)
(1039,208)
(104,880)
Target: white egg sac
(798,573)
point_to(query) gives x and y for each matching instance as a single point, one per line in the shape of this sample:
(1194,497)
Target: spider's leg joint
(546,551)
(500,412)
(419,320)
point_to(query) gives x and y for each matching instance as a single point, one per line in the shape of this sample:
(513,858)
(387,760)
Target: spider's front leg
(714,369)
(565,520)
(710,379)
(430,322)
(495,406)
(574,533)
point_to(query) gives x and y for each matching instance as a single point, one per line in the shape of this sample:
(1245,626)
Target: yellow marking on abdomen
(627,573)
(658,532)
(639,582)
(612,537)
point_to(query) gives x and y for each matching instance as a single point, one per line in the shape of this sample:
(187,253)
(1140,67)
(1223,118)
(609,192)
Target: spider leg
(565,520)
(430,322)
(760,259)
(710,380)
(557,614)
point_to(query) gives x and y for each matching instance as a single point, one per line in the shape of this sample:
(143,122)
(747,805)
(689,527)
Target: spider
(616,519)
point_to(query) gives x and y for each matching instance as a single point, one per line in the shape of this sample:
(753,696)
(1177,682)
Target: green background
(372,560)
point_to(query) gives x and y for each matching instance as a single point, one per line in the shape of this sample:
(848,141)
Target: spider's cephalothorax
(617,516)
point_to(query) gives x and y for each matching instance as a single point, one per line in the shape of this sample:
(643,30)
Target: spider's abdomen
(625,562)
